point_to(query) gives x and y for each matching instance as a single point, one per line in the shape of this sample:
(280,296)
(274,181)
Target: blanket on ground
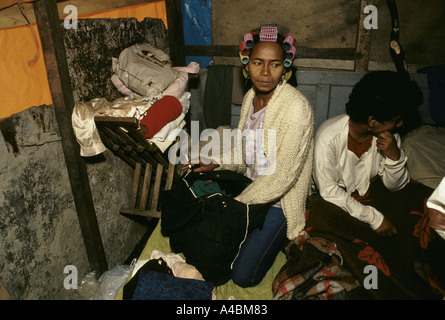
(399,259)
(314,271)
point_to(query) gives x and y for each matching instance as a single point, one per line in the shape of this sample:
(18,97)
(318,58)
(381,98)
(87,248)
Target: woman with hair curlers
(283,181)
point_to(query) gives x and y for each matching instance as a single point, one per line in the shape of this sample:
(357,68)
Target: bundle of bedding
(314,271)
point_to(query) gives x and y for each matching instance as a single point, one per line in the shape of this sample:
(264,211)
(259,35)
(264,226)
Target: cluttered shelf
(141,126)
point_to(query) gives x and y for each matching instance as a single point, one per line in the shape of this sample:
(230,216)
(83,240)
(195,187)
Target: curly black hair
(386,95)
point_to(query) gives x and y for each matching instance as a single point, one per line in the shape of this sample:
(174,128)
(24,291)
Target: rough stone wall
(39,229)
(90,49)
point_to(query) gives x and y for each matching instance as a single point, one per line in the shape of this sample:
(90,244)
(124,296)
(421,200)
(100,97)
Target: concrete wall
(39,229)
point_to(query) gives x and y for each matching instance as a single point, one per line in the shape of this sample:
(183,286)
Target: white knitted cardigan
(290,114)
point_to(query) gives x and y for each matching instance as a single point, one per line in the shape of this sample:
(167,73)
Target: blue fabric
(436,86)
(197,25)
(161,286)
(260,249)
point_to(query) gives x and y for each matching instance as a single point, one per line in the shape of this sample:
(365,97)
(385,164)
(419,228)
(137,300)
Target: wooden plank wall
(359,53)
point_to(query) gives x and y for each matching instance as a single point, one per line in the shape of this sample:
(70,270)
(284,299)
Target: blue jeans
(260,249)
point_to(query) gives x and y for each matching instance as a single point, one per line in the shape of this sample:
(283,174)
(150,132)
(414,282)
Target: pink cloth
(256,160)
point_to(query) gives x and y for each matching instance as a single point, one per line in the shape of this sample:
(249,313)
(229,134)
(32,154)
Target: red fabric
(163,111)
(359,148)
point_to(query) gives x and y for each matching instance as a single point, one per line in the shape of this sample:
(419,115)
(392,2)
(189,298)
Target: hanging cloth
(217,104)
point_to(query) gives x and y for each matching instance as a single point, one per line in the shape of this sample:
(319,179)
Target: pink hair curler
(248,40)
(288,43)
(269,33)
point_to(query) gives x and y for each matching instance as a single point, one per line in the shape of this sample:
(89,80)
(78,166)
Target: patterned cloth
(314,271)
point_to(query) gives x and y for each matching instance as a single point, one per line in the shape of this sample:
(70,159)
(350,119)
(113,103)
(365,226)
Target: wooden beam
(175,32)
(141,213)
(363,43)
(301,52)
(51,35)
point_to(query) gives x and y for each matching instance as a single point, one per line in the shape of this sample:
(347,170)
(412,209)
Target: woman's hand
(201,166)
(386,228)
(386,142)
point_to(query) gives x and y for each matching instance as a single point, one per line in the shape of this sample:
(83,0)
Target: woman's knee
(244,278)
(260,249)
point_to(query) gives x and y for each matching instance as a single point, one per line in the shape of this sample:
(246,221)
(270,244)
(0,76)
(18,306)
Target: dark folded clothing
(154,285)
(158,265)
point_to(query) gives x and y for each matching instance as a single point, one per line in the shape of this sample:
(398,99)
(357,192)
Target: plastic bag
(89,288)
(112,280)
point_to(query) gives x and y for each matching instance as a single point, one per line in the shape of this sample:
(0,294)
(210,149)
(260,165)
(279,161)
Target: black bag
(209,228)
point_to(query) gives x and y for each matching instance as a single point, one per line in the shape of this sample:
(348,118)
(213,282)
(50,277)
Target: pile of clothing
(153,92)
(166,277)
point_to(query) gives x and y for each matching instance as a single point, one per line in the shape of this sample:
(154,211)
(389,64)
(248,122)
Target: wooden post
(50,30)
(363,43)
(175,32)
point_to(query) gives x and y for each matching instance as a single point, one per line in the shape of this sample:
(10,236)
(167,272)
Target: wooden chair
(152,170)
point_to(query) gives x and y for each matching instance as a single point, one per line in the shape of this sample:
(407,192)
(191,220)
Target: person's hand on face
(386,142)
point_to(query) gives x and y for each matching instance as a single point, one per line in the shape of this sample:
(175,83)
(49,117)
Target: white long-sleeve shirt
(337,171)
(437,201)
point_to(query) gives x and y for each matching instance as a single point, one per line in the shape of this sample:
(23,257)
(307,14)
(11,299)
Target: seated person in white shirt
(365,201)
(354,148)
